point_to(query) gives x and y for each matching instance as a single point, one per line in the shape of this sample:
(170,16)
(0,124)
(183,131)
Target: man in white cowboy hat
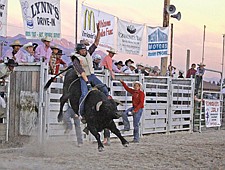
(138,98)
(10,53)
(44,51)
(107,62)
(131,69)
(25,54)
(97,62)
(198,76)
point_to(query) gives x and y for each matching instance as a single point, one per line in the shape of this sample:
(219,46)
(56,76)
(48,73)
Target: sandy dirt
(182,150)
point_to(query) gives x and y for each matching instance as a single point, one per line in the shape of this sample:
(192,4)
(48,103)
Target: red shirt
(107,62)
(138,97)
(190,72)
(57,64)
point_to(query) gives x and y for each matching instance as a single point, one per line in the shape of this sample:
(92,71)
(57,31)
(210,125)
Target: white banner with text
(41,18)
(89,19)
(3,17)
(129,37)
(212,113)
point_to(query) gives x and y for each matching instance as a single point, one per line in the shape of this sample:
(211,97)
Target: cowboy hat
(55,47)
(49,39)
(156,68)
(29,44)
(119,63)
(85,42)
(140,64)
(201,64)
(111,50)
(129,60)
(181,71)
(137,82)
(60,52)
(132,65)
(12,63)
(16,43)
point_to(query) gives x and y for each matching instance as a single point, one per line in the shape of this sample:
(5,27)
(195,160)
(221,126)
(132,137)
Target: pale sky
(188,32)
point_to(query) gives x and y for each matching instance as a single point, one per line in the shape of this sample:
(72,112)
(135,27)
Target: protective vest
(86,63)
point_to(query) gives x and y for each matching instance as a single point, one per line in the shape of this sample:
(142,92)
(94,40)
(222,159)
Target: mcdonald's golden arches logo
(89,20)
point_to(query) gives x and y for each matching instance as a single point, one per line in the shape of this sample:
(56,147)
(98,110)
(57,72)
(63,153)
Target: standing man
(136,110)
(198,78)
(96,62)
(25,54)
(108,63)
(10,53)
(191,72)
(44,51)
(67,120)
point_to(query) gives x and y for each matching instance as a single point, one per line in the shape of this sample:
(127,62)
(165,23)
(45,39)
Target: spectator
(44,51)
(6,69)
(191,72)
(136,110)
(140,68)
(127,64)
(70,114)
(107,61)
(96,62)
(155,71)
(171,71)
(198,77)
(52,60)
(55,62)
(25,54)
(147,70)
(131,69)
(117,67)
(10,53)
(181,74)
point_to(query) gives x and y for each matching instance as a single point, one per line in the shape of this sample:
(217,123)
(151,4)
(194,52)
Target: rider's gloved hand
(89,85)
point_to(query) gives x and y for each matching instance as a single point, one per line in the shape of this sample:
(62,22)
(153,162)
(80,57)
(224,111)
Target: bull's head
(109,107)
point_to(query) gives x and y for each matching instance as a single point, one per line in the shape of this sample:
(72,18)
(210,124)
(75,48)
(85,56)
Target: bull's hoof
(100,149)
(60,117)
(126,144)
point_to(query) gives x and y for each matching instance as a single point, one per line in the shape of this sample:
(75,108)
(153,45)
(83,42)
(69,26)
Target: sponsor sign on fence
(130,37)
(157,41)
(3,17)
(41,18)
(212,113)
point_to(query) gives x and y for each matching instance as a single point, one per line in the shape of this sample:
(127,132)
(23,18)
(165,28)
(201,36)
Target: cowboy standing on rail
(136,110)
(198,77)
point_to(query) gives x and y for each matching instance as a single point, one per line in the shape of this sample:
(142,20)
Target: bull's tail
(52,78)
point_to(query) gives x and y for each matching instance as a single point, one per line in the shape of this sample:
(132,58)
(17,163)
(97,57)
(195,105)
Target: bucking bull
(99,111)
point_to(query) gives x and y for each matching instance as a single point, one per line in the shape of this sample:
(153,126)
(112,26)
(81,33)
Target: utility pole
(76,18)
(203,45)
(166,18)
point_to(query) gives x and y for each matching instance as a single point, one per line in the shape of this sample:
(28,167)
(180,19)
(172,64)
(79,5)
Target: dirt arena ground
(181,150)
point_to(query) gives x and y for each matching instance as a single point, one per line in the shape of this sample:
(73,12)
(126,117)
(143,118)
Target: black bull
(99,111)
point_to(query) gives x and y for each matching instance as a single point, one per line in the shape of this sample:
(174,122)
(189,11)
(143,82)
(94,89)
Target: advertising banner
(157,38)
(41,18)
(89,19)
(130,37)
(212,113)
(3,17)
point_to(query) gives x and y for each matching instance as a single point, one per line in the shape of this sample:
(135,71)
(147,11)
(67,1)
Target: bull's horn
(119,102)
(98,105)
